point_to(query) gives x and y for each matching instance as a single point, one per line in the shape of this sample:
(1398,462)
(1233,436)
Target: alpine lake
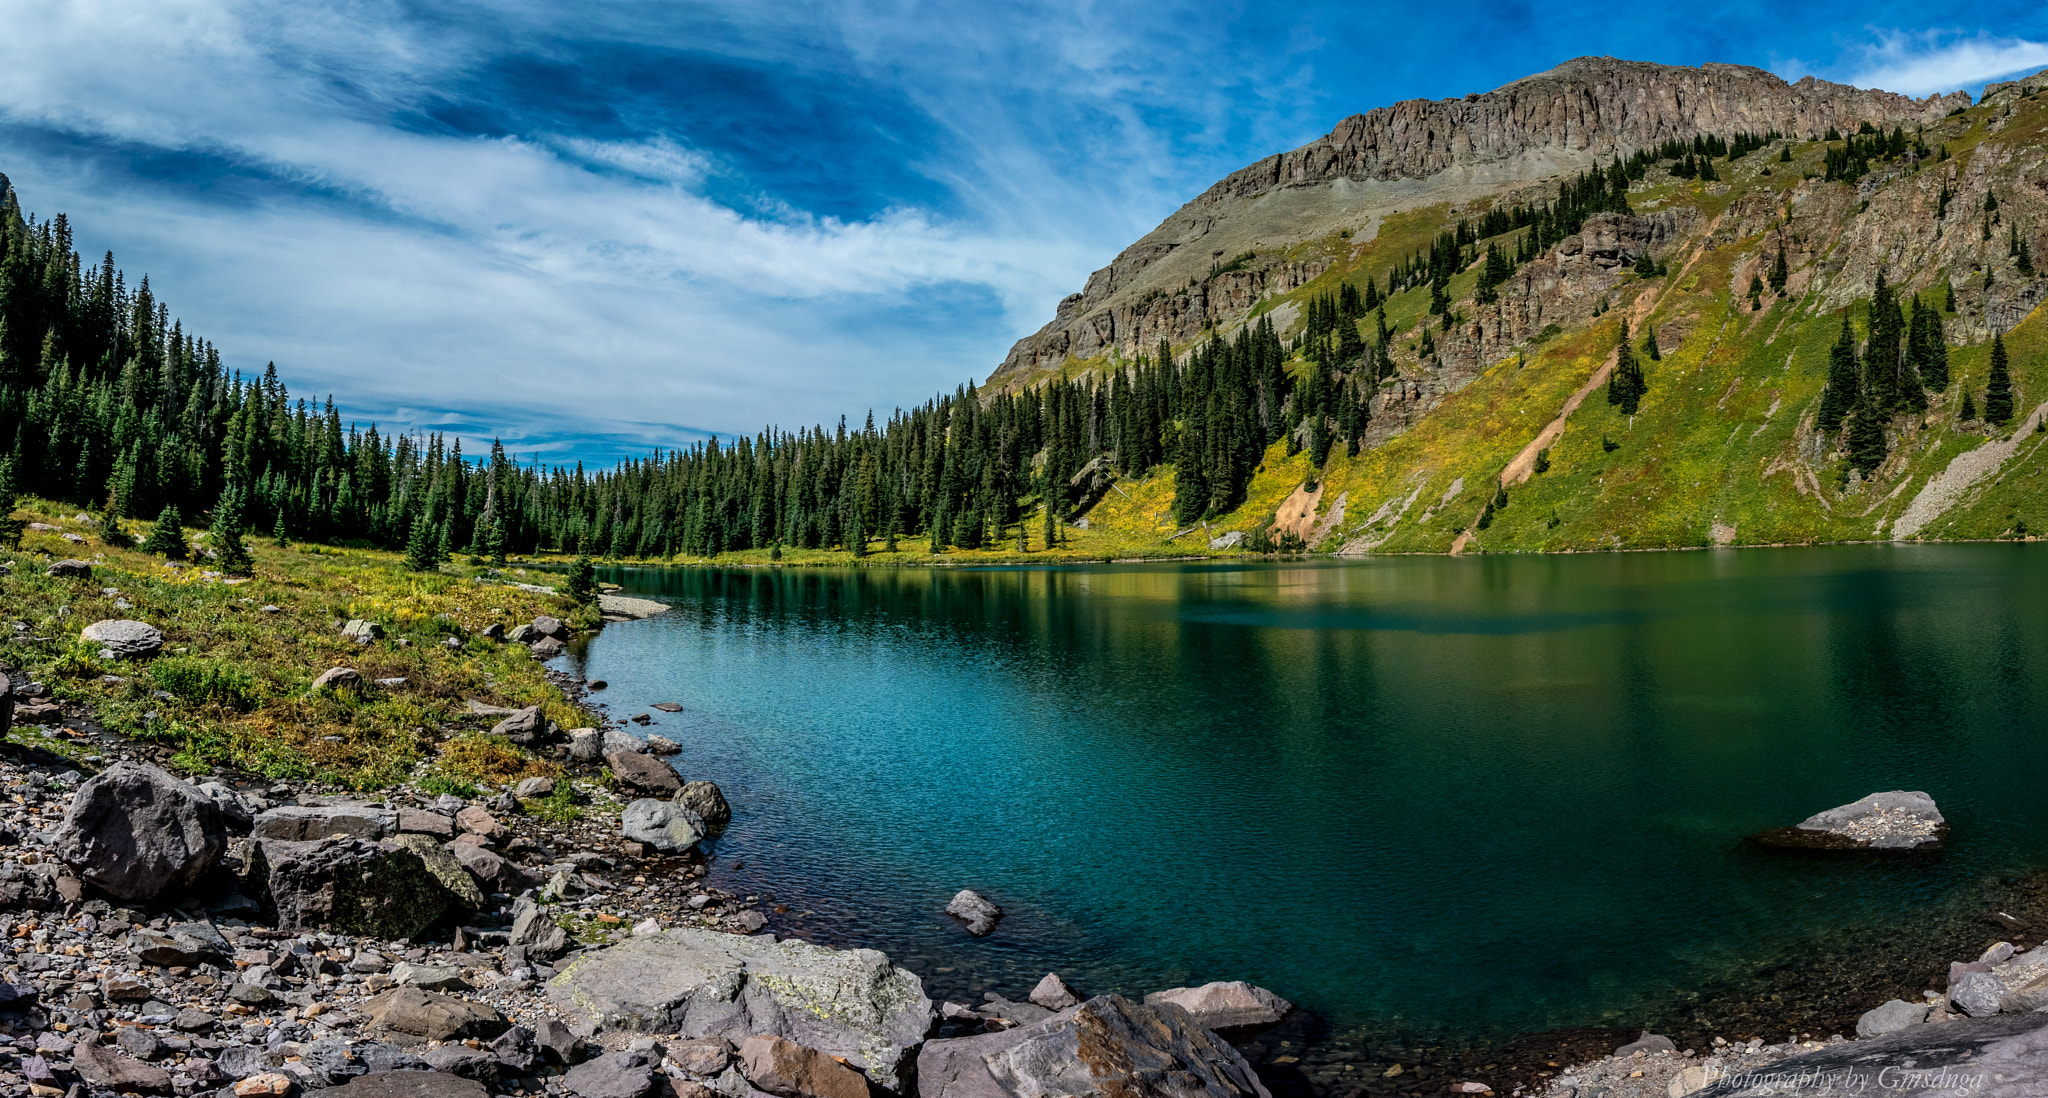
(1429,799)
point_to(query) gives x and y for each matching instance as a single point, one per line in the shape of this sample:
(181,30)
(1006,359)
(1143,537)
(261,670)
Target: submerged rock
(1107,1046)
(849,1003)
(1231,1004)
(1897,821)
(975,912)
(1891,1017)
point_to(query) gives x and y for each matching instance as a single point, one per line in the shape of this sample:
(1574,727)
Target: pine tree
(581,584)
(422,545)
(224,535)
(167,539)
(1052,529)
(1626,386)
(1843,386)
(494,543)
(1650,350)
(1968,411)
(11,528)
(277,534)
(111,531)
(1998,392)
(1780,273)
(1867,444)
(1948,295)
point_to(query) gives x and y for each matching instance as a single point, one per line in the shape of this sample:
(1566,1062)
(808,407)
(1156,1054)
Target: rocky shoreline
(485,947)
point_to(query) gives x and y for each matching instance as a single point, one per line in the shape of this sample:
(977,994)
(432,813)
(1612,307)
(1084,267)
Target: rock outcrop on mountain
(1578,115)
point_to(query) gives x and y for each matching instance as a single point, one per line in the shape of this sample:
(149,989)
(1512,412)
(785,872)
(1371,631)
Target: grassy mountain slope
(1724,448)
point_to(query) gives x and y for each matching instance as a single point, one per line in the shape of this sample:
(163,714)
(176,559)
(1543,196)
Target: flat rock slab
(1231,1004)
(311,823)
(127,640)
(409,1084)
(626,608)
(699,983)
(435,1017)
(1898,821)
(2004,1055)
(1108,1047)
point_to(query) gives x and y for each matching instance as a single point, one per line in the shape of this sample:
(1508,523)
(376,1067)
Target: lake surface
(1433,795)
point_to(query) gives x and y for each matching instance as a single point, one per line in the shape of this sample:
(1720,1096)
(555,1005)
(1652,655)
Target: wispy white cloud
(1931,61)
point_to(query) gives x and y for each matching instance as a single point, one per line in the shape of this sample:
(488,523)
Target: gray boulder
(537,933)
(236,813)
(409,1084)
(136,832)
(338,679)
(311,823)
(618,739)
(586,745)
(550,627)
(69,569)
(1898,821)
(491,872)
(105,1068)
(1977,994)
(613,1075)
(28,887)
(1891,1017)
(524,634)
(1231,540)
(124,640)
(187,944)
(1647,1043)
(663,825)
(1998,1057)
(362,632)
(516,1049)
(524,727)
(1231,1004)
(644,773)
(708,802)
(446,869)
(701,983)
(546,648)
(433,1016)
(533,788)
(975,911)
(2032,995)
(382,890)
(1052,993)
(1108,1047)
(328,1062)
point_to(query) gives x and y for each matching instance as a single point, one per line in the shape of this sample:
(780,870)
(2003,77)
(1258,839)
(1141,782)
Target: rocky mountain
(1741,234)
(1414,154)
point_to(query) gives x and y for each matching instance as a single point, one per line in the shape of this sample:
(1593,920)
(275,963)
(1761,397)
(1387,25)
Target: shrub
(205,682)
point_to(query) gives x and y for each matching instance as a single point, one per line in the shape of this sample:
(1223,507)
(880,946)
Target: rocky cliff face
(1419,152)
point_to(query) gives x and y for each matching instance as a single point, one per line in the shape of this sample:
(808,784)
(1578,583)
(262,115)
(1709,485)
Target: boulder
(702,1056)
(558,1043)
(409,1084)
(536,932)
(28,887)
(702,983)
(124,640)
(2032,995)
(550,627)
(516,1049)
(708,802)
(1231,540)
(237,814)
(644,773)
(1977,994)
(340,679)
(530,789)
(136,832)
(438,824)
(362,632)
(1108,1047)
(492,873)
(658,744)
(524,727)
(975,912)
(104,1068)
(1891,1017)
(477,820)
(378,889)
(613,1075)
(1052,993)
(546,648)
(783,1067)
(469,1063)
(1230,1004)
(618,739)
(69,569)
(448,870)
(1896,822)
(311,823)
(187,944)
(524,634)
(1647,1043)
(586,745)
(328,1063)
(663,825)
(1997,1056)
(433,1016)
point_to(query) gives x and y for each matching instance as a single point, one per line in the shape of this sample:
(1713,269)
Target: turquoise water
(1429,794)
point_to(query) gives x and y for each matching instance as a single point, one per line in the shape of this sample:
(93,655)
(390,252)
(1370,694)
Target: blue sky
(598,227)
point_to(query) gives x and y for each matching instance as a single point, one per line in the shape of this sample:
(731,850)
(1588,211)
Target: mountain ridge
(1572,117)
